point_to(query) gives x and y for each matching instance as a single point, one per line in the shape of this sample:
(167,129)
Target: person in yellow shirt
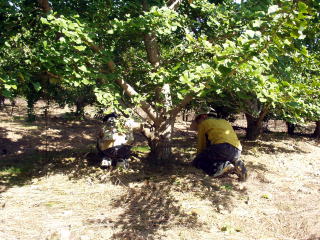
(218,148)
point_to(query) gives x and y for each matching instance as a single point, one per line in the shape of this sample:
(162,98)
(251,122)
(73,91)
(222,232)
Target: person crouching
(218,147)
(113,145)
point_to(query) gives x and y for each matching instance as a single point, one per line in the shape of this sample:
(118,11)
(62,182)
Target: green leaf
(301,35)
(295,34)
(185,77)
(36,86)
(250,33)
(257,23)
(80,48)
(62,39)
(77,75)
(44,20)
(83,68)
(302,7)
(176,67)
(304,51)
(224,70)
(189,50)
(6,93)
(10,86)
(273,9)
(86,81)
(293,104)
(189,37)
(287,42)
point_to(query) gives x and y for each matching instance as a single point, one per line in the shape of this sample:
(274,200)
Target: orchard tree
(226,47)
(158,55)
(299,74)
(39,60)
(273,76)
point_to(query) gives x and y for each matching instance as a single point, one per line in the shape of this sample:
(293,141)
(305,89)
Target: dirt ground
(48,191)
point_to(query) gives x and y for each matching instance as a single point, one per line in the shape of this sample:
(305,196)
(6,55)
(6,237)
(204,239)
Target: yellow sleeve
(201,139)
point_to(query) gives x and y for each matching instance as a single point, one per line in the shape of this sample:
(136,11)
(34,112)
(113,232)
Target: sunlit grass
(143,149)
(14,171)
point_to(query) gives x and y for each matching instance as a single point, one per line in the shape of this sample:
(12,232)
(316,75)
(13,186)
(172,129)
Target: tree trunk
(161,148)
(290,128)
(2,99)
(316,132)
(44,5)
(254,127)
(185,115)
(160,143)
(80,107)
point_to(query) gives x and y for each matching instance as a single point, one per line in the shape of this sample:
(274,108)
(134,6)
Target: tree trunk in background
(254,127)
(80,105)
(290,128)
(316,132)
(44,5)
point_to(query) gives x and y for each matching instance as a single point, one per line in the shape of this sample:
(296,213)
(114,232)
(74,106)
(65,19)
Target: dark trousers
(215,155)
(118,152)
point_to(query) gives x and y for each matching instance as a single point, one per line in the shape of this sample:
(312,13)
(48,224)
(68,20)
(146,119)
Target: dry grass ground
(49,192)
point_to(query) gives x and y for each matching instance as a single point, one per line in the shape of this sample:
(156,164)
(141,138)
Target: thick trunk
(290,128)
(316,132)
(161,151)
(254,127)
(160,143)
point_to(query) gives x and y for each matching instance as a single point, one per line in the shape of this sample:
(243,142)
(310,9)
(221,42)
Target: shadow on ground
(150,201)
(149,209)
(55,135)
(152,204)
(313,237)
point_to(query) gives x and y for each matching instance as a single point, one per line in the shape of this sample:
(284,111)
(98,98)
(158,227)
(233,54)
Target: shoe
(241,170)
(123,163)
(106,162)
(224,169)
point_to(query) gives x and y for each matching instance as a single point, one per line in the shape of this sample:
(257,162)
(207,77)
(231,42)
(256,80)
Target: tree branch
(173,5)
(129,90)
(263,112)
(174,112)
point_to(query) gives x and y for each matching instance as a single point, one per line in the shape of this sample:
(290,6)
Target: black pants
(215,155)
(117,152)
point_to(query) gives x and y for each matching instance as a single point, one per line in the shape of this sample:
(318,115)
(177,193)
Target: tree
(45,55)
(237,59)
(159,55)
(254,87)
